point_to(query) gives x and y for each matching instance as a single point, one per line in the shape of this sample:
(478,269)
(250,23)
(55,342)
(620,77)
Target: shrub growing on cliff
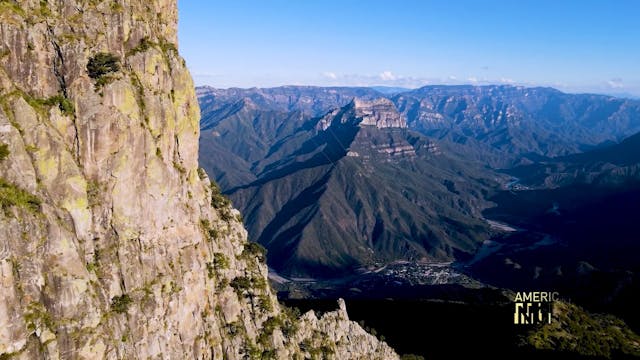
(202,174)
(411,357)
(241,284)
(101,66)
(210,270)
(4,151)
(121,303)
(289,316)
(41,105)
(38,316)
(268,327)
(142,46)
(253,249)
(218,201)
(220,261)
(264,303)
(64,104)
(11,195)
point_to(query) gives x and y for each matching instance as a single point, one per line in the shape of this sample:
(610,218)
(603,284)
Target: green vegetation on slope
(4,151)
(576,331)
(11,195)
(323,201)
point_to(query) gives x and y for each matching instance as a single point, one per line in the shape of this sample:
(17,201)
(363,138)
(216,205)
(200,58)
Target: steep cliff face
(112,242)
(381,113)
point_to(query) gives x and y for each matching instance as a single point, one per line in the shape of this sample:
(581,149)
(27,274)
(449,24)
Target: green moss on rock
(37,316)
(12,6)
(41,105)
(142,46)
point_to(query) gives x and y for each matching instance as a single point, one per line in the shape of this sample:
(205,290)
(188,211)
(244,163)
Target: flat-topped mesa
(381,113)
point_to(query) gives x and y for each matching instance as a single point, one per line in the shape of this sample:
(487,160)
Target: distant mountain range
(348,189)
(310,100)
(506,125)
(614,165)
(333,179)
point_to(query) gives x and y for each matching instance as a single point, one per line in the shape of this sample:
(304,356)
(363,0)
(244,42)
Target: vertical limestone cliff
(113,244)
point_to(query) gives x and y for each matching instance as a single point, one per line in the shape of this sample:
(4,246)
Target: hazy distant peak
(248,103)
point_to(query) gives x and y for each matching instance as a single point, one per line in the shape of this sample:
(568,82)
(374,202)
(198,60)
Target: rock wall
(113,244)
(381,113)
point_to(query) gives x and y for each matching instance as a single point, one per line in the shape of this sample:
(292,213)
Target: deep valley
(441,200)
(145,217)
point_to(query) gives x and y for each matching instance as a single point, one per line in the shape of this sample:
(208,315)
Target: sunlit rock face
(109,244)
(381,113)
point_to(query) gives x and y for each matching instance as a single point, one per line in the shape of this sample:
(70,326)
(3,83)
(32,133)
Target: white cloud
(387,76)
(615,83)
(330,75)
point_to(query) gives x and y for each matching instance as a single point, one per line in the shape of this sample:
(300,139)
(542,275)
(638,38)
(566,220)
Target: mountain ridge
(614,165)
(479,129)
(493,123)
(343,162)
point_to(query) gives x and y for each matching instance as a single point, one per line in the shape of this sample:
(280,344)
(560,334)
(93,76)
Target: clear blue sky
(576,46)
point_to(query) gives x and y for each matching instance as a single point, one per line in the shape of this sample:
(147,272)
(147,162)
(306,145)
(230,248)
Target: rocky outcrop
(381,113)
(113,244)
(350,339)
